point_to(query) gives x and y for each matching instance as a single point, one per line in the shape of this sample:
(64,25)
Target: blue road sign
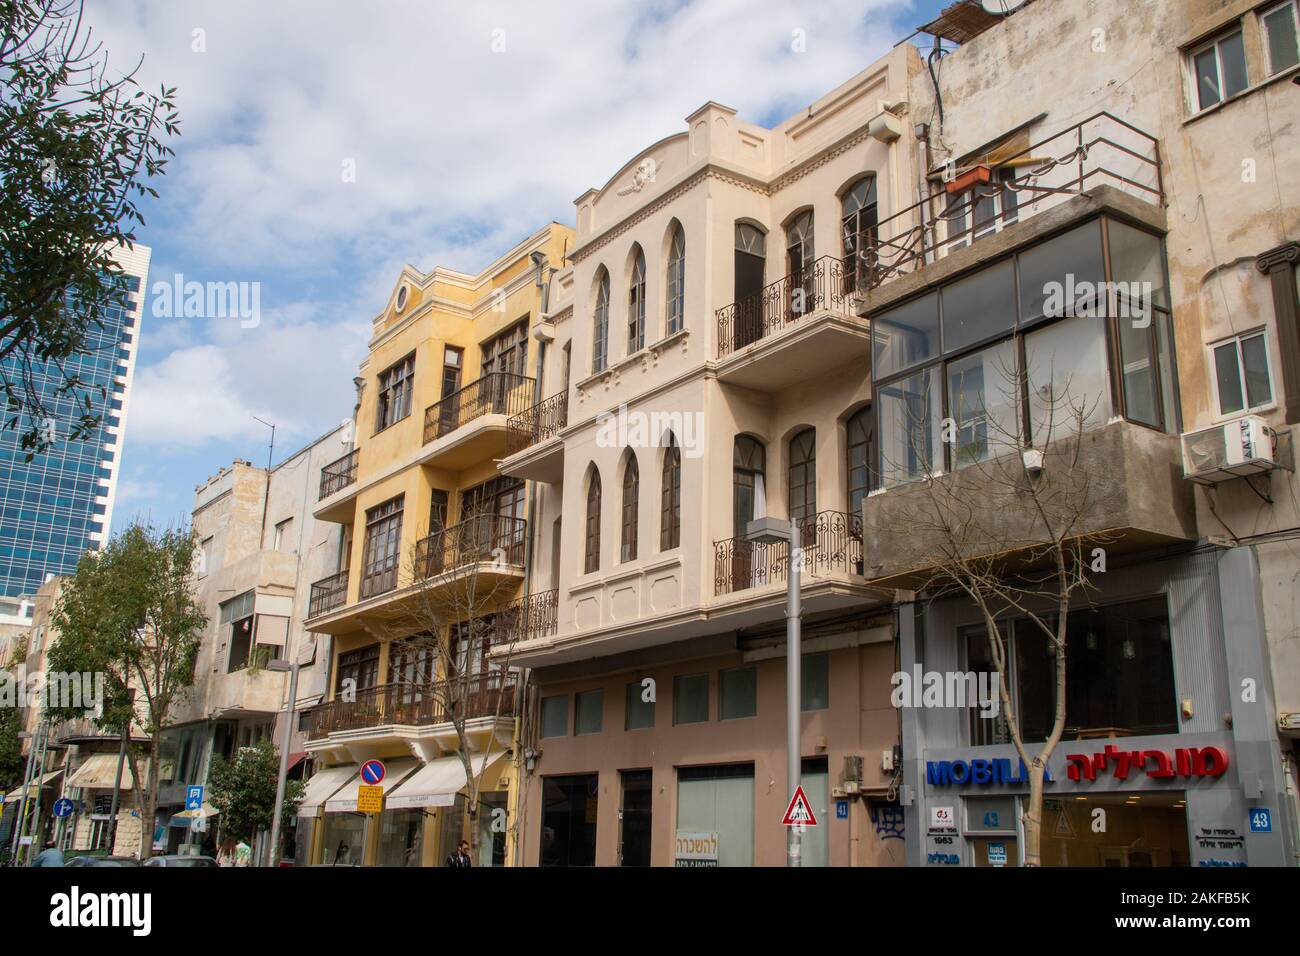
(1261,820)
(63,807)
(194,798)
(372,772)
(841,809)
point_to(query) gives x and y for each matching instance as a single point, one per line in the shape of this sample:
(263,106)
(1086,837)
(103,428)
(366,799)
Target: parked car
(178,860)
(102,861)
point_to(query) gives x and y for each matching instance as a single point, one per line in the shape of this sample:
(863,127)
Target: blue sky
(468,127)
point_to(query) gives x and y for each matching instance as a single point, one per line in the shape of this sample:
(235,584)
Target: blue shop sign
(980,771)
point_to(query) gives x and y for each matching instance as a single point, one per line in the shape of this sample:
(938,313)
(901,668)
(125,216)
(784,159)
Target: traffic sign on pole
(800,811)
(194,798)
(372,772)
(63,807)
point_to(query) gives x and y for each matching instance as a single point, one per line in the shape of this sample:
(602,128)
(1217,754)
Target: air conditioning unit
(1243,446)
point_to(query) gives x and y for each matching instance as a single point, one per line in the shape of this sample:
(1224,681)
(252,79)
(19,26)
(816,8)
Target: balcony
(469,425)
(419,715)
(792,330)
(328,594)
(532,440)
(831,542)
(493,540)
(1099,151)
(335,480)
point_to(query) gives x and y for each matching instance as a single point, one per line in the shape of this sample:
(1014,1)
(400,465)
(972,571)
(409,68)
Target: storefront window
(343,839)
(1140,830)
(719,800)
(492,823)
(569,807)
(401,837)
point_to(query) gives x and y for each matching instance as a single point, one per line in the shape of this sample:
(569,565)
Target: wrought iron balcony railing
(328,594)
(538,423)
(492,539)
(497,393)
(490,694)
(534,616)
(831,542)
(1100,150)
(820,286)
(337,475)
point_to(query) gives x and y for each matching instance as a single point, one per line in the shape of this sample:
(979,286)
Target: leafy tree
(78,142)
(243,789)
(128,613)
(11,749)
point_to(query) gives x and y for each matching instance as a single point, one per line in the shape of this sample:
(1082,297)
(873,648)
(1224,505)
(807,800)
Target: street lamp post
(773,531)
(282,666)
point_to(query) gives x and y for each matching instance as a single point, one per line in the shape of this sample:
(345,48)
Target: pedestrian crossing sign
(800,811)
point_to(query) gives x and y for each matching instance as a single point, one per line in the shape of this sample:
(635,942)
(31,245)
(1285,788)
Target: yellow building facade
(432,571)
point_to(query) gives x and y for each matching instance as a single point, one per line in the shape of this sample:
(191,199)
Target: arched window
(670,511)
(631,498)
(636,305)
(600,326)
(591,560)
(751,252)
(861,458)
(676,285)
(803,475)
(748,495)
(799,246)
(858,219)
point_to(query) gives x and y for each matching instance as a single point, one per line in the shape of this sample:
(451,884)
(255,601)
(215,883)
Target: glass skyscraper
(58,505)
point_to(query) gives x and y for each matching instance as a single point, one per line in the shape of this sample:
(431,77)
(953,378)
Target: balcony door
(453,365)
(506,354)
(799,259)
(497,509)
(748,502)
(751,262)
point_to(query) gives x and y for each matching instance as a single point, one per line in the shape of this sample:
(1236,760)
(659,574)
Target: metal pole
(21,815)
(793,705)
(117,789)
(284,765)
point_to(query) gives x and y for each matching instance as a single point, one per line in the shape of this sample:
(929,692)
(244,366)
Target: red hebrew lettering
(1079,764)
(1164,766)
(1209,761)
(1184,758)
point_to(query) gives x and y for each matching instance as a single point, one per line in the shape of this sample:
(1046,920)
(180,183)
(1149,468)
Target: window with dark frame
(737,693)
(859,218)
(600,325)
(998,363)
(803,475)
(691,699)
(396,389)
(360,667)
(861,457)
(1217,69)
(636,305)
(675,285)
(381,550)
(1281,29)
(631,502)
(591,555)
(640,712)
(670,514)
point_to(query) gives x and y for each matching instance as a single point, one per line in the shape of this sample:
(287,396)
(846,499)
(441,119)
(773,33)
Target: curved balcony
(831,542)
(533,447)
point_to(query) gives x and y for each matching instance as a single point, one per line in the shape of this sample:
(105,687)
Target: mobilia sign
(1118,762)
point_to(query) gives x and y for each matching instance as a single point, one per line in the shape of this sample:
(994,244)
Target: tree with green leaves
(243,789)
(11,749)
(128,613)
(79,142)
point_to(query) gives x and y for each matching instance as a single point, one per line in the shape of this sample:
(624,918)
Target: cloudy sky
(468,126)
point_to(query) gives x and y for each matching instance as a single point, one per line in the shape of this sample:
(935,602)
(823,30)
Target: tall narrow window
(859,217)
(381,549)
(396,387)
(803,475)
(631,494)
(591,560)
(600,326)
(861,458)
(747,491)
(751,246)
(799,257)
(670,517)
(676,284)
(636,305)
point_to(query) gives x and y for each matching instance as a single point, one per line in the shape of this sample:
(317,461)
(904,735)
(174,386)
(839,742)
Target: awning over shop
(323,785)
(36,785)
(437,782)
(99,770)
(395,771)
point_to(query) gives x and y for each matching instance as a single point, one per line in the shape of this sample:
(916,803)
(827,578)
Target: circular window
(401,298)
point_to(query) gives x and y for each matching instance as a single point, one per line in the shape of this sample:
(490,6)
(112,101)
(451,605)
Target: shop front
(1169,755)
